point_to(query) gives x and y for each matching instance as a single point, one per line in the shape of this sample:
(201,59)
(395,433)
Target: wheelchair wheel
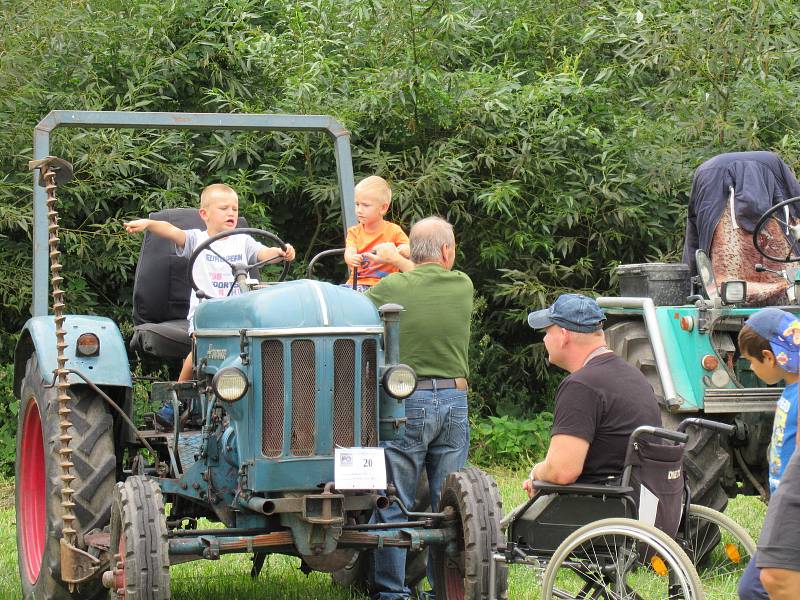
(620,558)
(722,552)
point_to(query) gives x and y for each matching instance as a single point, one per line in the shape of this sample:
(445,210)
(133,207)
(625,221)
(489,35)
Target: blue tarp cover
(760,180)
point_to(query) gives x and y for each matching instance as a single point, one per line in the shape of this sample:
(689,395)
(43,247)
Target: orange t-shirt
(370,274)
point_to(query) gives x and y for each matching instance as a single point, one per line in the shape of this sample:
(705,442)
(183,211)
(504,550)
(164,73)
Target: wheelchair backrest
(659,468)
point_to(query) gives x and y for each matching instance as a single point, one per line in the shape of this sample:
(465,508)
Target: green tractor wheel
(38,495)
(706,461)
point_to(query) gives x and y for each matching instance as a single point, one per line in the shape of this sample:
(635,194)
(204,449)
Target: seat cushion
(733,256)
(167,340)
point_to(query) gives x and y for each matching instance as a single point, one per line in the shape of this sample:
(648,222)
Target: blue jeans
(437,439)
(750,587)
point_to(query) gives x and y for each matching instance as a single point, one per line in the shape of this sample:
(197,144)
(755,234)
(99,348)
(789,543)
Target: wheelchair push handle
(708,424)
(675,436)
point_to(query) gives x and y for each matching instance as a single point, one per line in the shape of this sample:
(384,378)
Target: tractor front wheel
(139,542)
(462,572)
(38,489)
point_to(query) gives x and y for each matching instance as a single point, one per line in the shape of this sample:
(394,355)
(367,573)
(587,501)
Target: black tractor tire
(706,462)
(139,541)
(475,499)
(356,574)
(38,483)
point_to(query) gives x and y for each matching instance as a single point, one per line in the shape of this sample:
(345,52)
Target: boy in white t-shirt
(219,208)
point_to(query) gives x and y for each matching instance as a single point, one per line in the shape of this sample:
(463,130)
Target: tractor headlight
(733,292)
(230,384)
(399,381)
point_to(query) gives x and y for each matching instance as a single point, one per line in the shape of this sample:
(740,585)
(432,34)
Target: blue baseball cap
(782,330)
(574,312)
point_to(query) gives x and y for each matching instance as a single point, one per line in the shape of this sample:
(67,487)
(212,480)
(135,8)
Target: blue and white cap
(782,330)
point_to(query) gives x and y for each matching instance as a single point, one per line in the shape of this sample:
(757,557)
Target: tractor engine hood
(294,304)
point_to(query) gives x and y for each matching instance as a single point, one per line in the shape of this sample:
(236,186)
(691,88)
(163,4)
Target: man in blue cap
(597,406)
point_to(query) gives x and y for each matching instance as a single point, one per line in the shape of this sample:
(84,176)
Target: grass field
(282,580)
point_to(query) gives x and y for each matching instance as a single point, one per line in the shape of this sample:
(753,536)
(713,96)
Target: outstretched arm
(160,228)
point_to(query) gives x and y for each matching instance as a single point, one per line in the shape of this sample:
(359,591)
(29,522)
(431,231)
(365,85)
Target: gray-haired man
(434,338)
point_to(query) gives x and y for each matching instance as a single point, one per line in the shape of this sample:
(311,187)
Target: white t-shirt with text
(210,272)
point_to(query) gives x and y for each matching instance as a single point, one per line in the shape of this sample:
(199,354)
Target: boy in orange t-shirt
(373,196)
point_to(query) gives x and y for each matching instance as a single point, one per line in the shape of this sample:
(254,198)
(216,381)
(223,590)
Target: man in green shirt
(434,339)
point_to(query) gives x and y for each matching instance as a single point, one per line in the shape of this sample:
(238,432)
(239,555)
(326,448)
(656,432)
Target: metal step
(729,400)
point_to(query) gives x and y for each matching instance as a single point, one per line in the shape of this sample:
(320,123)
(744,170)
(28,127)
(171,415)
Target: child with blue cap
(770,340)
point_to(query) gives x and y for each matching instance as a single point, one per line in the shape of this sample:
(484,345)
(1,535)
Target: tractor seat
(733,256)
(161,290)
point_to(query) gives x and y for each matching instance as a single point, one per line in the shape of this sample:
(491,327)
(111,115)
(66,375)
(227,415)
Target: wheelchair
(641,538)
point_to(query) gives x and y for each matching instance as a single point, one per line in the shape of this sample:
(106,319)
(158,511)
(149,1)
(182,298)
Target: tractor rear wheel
(464,575)
(139,541)
(705,461)
(38,489)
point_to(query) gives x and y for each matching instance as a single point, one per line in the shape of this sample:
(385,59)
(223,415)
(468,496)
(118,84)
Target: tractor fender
(109,367)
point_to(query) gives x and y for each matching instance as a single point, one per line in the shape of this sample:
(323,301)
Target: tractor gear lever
(761,269)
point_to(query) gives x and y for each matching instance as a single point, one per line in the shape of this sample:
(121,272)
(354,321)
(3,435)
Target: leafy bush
(559,138)
(510,442)
(8,420)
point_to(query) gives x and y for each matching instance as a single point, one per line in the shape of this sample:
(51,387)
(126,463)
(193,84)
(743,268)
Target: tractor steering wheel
(239,270)
(779,213)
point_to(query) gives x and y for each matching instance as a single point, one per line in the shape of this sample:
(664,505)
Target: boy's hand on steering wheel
(289,253)
(353,261)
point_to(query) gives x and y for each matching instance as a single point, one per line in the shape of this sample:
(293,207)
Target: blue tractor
(275,442)
(678,323)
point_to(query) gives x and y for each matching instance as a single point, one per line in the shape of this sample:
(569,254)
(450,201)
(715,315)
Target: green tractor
(678,323)
(274,446)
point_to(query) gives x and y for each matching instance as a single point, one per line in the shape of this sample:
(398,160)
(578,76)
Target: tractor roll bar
(168,120)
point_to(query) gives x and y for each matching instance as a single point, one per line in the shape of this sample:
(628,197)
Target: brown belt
(439,383)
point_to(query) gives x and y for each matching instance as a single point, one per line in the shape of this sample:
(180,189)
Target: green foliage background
(558,137)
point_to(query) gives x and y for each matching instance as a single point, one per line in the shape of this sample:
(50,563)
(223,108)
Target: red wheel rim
(32,511)
(119,571)
(453,582)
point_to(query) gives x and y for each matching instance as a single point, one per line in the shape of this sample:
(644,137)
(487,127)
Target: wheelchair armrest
(584,489)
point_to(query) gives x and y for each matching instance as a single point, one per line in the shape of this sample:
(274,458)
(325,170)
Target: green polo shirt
(434,328)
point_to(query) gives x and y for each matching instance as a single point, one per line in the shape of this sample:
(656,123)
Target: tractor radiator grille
(344,385)
(304,391)
(369,434)
(272,386)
